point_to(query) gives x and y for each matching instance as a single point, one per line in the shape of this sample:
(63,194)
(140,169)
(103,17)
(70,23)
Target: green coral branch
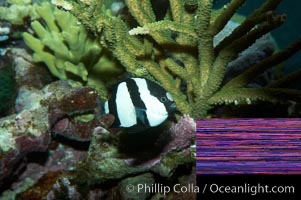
(230,52)
(178,52)
(143,13)
(121,36)
(248,95)
(187,41)
(205,41)
(266,6)
(188,13)
(293,77)
(225,15)
(218,72)
(269,62)
(17,12)
(264,28)
(124,47)
(141,10)
(49,17)
(177,10)
(164,25)
(137,47)
(66,49)
(37,46)
(184,73)
(258,16)
(175,68)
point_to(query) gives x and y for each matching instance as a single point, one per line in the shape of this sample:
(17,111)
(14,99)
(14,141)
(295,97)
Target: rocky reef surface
(47,152)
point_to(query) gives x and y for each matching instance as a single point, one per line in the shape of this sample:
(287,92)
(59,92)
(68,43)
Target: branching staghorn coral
(178,51)
(67,49)
(19,11)
(62,43)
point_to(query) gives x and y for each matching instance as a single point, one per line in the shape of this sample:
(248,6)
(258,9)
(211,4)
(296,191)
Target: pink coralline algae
(183,133)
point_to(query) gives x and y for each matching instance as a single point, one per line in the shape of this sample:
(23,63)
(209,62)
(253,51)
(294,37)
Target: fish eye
(163,99)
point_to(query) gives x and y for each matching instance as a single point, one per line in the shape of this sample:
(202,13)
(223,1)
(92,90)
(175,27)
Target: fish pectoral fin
(141,115)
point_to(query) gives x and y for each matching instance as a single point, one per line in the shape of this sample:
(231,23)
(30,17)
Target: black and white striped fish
(139,104)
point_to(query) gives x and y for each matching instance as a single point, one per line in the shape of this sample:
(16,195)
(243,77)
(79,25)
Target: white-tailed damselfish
(139,104)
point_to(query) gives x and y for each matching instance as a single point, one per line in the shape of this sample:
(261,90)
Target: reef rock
(29,130)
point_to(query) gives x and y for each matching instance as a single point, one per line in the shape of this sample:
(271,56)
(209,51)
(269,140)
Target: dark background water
(287,33)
